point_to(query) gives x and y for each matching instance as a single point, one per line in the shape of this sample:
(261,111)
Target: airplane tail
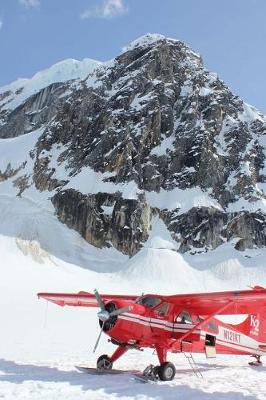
(254,326)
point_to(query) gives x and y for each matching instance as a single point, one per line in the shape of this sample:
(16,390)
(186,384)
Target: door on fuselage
(184,322)
(161,325)
(210,349)
(157,314)
(149,302)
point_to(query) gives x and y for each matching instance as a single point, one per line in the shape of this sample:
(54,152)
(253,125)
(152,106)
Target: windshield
(148,301)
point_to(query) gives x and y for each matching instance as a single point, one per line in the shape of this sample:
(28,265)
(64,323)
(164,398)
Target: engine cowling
(110,322)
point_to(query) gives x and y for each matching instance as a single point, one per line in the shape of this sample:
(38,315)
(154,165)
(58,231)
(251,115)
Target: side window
(162,310)
(148,301)
(184,318)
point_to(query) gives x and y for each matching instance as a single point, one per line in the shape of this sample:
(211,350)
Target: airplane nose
(103,315)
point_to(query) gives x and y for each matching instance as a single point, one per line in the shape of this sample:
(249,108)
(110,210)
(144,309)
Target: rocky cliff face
(150,133)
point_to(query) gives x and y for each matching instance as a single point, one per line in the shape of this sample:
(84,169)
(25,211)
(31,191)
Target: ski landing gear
(165,371)
(104,362)
(257,362)
(154,373)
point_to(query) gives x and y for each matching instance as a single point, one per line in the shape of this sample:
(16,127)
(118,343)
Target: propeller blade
(99,300)
(120,311)
(98,339)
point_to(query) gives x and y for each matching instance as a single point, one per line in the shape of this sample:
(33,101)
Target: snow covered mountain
(159,170)
(149,134)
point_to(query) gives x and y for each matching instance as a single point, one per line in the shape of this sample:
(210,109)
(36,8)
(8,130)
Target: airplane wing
(231,302)
(82,299)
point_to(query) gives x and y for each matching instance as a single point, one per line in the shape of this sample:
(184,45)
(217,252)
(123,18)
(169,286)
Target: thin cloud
(107,10)
(1,24)
(30,3)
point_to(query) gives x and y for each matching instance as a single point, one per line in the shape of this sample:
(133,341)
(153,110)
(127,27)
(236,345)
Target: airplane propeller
(104,315)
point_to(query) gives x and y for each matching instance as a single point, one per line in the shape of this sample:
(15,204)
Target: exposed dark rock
(125,224)
(22,183)
(34,113)
(203,229)
(9,172)
(249,229)
(156,119)
(107,219)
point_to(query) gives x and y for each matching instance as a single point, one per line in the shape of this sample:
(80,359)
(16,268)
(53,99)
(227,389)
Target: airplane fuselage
(142,327)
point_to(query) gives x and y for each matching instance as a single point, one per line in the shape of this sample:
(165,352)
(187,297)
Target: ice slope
(40,343)
(62,71)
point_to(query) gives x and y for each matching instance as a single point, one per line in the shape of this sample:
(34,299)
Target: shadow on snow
(121,386)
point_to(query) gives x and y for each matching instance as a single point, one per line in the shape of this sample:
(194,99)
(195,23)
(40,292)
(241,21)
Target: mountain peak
(145,40)
(151,134)
(155,38)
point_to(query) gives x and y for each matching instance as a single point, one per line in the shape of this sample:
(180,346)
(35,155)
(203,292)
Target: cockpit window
(148,301)
(184,317)
(163,309)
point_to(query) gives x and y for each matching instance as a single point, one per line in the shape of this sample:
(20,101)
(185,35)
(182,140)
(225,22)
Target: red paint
(182,323)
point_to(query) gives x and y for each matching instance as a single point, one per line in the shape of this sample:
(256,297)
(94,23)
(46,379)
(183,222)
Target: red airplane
(178,323)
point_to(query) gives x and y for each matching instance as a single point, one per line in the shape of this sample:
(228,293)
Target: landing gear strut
(165,371)
(256,362)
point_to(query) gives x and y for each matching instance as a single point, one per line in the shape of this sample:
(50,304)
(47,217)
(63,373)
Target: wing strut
(219,311)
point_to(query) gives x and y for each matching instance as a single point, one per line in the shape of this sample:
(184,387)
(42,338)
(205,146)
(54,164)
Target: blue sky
(229,34)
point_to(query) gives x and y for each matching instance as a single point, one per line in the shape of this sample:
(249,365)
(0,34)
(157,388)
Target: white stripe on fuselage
(242,342)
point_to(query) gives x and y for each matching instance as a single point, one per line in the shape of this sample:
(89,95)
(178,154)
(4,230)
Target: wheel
(166,371)
(104,362)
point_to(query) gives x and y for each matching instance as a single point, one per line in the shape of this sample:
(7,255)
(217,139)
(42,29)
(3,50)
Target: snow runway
(220,381)
(40,343)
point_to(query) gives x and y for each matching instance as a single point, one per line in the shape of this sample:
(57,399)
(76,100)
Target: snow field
(41,343)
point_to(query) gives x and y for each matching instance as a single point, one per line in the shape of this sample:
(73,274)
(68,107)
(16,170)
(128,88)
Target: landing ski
(255,363)
(97,371)
(149,375)
(143,378)
(137,376)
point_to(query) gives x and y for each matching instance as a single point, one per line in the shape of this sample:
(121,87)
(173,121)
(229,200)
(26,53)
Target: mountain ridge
(149,133)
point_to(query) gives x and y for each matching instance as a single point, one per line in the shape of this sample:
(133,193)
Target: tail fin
(254,326)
